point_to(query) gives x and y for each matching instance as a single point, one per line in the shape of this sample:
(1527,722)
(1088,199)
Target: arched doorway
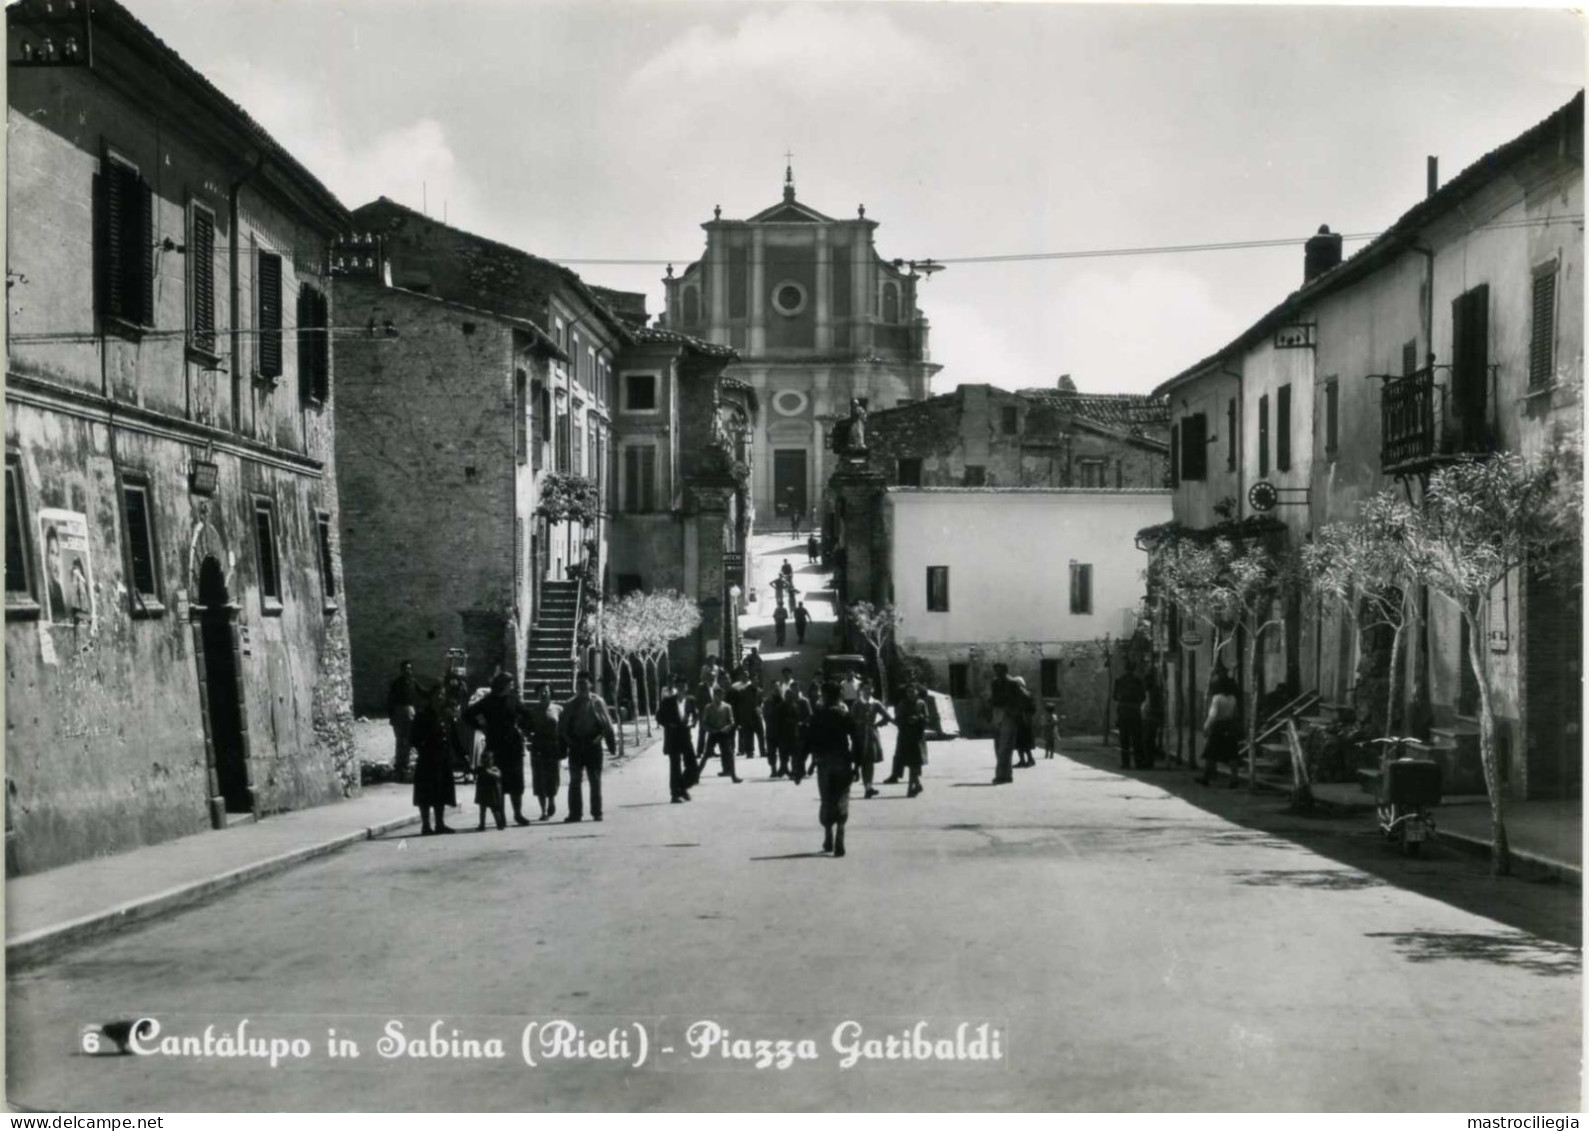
(221,695)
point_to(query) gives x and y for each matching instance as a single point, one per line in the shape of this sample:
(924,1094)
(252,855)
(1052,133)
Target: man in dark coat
(498,715)
(718,723)
(794,717)
(780,625)
(745,697)
(1005,699)
(813,549)
(676,713)
(831,737)
(402,699)
(1129,695)
(584,727)
(801,618)
(433,786)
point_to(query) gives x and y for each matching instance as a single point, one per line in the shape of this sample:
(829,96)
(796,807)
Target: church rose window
(789,298)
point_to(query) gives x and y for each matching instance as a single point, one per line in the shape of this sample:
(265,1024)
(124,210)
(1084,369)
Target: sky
(609,130)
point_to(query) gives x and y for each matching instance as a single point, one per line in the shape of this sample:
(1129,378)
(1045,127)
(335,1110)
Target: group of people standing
(438,723)
(829,730)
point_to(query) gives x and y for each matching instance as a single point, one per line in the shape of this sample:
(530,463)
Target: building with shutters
(176,653)
(817,317)
(1457,332)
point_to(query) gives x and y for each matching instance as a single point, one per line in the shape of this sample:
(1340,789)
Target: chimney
(1066,385)
(1434,175)
(1321,253)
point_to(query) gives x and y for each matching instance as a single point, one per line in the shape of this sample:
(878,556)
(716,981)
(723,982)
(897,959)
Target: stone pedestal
(707,508)
(862,568)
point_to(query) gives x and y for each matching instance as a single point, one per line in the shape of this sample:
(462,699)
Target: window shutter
(305,357)
(1075,588)
(1283,429)
(1263,435)
(1175,455)
(144,284)
(648,478)
(1409,359)
(1086,588)
(268,280)
(1194,447)
(113,241)
(1542,340)
(1230,434)
(201,254)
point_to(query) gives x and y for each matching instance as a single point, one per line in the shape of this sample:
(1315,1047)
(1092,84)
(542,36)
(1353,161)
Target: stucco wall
(998,595)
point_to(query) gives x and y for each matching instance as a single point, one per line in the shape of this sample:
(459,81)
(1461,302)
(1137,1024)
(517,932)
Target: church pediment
(790,212)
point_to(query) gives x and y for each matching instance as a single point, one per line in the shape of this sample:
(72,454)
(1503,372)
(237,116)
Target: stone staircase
(551,653)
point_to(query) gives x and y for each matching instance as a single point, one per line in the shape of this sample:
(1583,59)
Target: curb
(1542,866)
(47,942)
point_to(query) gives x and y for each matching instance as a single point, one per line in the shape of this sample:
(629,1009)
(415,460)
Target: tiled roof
(655,334)
(1130,412)
(1568,120)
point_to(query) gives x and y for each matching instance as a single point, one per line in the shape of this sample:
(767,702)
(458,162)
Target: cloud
(409,162)
(804,49)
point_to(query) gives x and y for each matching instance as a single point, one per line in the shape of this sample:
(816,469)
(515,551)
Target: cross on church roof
(788,176)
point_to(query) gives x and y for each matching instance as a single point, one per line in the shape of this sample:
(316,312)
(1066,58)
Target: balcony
(1422,426)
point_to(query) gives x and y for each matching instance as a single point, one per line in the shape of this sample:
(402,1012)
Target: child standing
(488,790)
(1050,727)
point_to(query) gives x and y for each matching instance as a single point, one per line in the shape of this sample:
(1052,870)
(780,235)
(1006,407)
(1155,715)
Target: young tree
(664,616)
(1107,647)
(1481,519)
(1251,586)
(876,623)
(1364,569)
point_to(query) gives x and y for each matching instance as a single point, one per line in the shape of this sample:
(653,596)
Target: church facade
(817,318)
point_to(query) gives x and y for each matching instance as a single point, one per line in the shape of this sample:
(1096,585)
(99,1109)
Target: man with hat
(584,727)
(498,715)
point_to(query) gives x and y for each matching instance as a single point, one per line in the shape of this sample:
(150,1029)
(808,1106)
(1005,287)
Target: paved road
(1137,947)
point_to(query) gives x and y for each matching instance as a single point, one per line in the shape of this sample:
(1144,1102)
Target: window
(1230,434)
(976,475)
(521,417)
(1409,359)
(1332,426)
(578,466)
(640,478)
(201,280)
(910,471)
(1283,429)
(21,596)
(1010,420)
(937,589)
(126,245)
(890,303)
(1080,588)
(328,573)
(1263,435)
(268,561)
(640,392)
(591,461)
(1194,447)
(143,575)
(562,438)
(1542,338)
(1470,364)
(314,345)
(1175,455)
(1048,678)
(960,680)
(1092,472)
(267,301)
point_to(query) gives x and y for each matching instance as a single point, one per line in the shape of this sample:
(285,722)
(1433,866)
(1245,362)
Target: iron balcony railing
(1409,428)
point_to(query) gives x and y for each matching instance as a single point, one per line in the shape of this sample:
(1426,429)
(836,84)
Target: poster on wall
(68,569)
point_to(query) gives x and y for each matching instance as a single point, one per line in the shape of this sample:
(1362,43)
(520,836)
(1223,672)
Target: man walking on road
(676,713)
(402,698)
(745,697)
(585,725)
(780,625)
(813,551)
(1129,694)
(546,752)
(718,723)
(1004,699)
(801,619)
(832,740)
(498,716)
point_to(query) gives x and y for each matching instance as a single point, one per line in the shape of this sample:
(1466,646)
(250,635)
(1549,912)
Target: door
(222,691)
(1470,368)
(789,481)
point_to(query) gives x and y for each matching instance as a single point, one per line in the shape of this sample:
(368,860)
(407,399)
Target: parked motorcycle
(1409,788)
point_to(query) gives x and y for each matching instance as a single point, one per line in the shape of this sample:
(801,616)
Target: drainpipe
(1417,717)
(233,252)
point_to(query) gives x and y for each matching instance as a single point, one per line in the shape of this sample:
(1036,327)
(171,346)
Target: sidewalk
(1544,835)
(52,910)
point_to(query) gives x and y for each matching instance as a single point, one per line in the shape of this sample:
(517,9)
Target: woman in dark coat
(433,788)
(498,715)
(910,749)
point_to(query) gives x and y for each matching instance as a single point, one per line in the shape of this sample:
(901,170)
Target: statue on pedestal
(849,434)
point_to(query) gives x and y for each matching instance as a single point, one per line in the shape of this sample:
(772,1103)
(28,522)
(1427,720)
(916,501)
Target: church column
(758,291)
(824,311)
(861,298)
(821,405)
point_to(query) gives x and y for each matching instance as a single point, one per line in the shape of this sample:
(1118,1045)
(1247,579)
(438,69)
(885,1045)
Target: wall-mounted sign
(1191,639)
(734,568)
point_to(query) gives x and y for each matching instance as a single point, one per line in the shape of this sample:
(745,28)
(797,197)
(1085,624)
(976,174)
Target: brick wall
(427,466)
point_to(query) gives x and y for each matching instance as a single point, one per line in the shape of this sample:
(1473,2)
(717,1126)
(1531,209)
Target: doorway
(789,481)
(221,697)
